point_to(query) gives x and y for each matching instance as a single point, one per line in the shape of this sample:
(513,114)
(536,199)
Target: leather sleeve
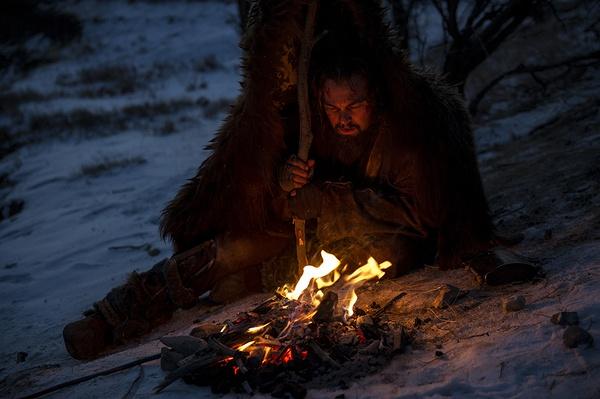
(350,212)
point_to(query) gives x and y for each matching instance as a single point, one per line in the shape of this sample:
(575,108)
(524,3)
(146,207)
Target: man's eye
(358,105)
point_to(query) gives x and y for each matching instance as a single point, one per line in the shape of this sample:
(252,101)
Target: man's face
(348,105)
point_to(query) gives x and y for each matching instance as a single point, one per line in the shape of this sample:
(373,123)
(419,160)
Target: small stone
(186,345)
(153,251)
(359,312)
(348,339)
(169,359)
(414,323)
(399,340)
(513,304)
(364,321)
(448,295)
(370,349)
(575,336)
(294,390)
(206,330)
(565,318)
(21,356)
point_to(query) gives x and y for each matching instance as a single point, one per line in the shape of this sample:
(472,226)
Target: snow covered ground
(119,123)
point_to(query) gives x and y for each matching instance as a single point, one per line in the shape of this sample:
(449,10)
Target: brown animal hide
(426,154)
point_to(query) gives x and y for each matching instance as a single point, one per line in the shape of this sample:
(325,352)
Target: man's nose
(345,117)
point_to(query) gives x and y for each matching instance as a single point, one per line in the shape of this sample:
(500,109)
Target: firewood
(321,354)
(327,307)
(201,362)
(389,304)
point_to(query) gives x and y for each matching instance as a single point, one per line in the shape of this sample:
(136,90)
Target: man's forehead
(355,87)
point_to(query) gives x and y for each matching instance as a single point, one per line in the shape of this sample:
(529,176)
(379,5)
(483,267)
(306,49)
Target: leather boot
(85,338)
(499,266)
(143,302)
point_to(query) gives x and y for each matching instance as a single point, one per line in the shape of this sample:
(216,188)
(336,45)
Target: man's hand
(295,173)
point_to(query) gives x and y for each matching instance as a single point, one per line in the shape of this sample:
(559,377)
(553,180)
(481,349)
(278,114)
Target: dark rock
(364,321)
(169,359)
(448,295)
(513,304)
(297,391)
(370,349)
(399,339)
(575,336)
(21,356)
(440,354)
(565,319)
(349,338)
(153,251)
(359,311)
(11,209)
(205,330)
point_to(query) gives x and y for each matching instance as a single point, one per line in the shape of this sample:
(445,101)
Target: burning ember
(303,331)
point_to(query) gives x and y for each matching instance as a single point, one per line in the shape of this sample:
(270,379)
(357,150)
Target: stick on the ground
(389,304)
(92,376)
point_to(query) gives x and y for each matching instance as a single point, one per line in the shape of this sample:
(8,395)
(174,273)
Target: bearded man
(393,175)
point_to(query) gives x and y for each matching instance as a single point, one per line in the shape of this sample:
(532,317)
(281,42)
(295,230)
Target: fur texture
(234,189)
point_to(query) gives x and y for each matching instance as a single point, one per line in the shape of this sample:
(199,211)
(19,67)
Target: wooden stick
(389,304)
(202,361)
(322,354)
(92,376)
(306,136)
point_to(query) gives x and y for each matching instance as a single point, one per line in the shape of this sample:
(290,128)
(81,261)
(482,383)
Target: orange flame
(326,275)
(287,356)
(311,273)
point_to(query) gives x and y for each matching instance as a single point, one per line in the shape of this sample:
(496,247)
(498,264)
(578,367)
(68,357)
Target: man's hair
(341,68)
(338,60)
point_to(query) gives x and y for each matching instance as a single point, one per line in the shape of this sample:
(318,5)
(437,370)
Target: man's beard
(347,149)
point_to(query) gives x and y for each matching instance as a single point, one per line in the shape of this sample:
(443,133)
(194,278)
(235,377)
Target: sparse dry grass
(208,64)
(214,108)
(11,208)
(82,122)
(103,81)
(110,165)
(63,124)
(10,101)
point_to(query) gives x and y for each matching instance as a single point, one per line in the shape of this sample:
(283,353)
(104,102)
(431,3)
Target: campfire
(304,332)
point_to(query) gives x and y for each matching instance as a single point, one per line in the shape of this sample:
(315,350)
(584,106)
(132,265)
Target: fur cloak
(235,187)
